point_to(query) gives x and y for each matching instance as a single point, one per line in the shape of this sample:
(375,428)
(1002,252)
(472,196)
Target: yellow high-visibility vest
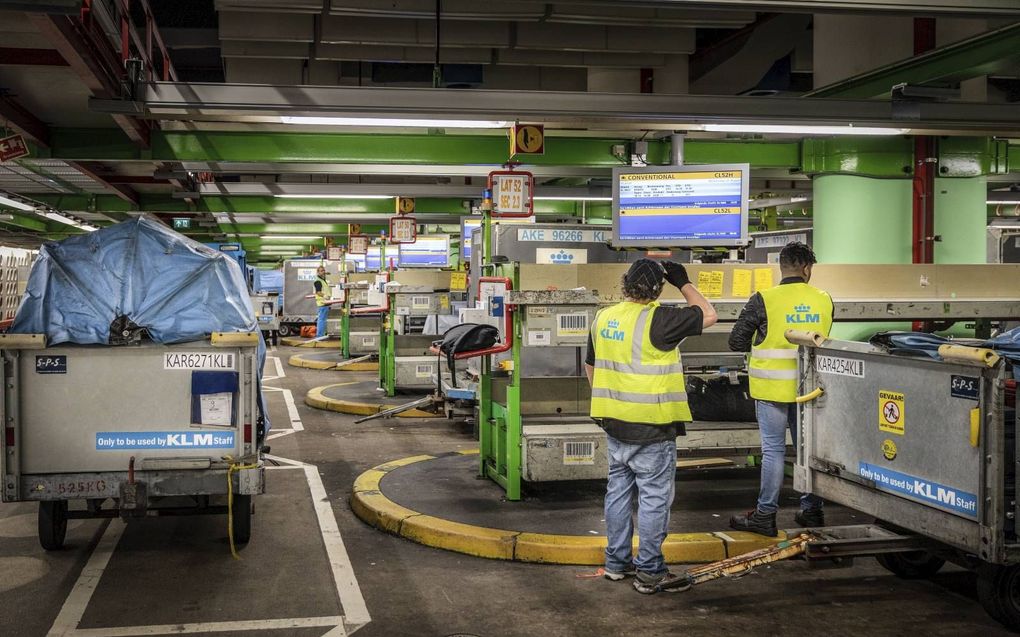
(772,366)
(324,294)
(634,381)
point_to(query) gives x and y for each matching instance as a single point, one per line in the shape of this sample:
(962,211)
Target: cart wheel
(911,565)
(998,590)
(285,330)
(242,519)
(52,524)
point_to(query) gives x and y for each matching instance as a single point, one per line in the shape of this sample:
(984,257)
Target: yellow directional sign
(405,205)
(527,139)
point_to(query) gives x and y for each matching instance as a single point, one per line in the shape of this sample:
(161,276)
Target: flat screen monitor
(428,251)
(680,206)
(369,262)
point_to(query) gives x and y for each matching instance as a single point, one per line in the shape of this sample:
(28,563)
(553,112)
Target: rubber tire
(284,330)
(52,524)
(998,590)
(911,565)
(242,519)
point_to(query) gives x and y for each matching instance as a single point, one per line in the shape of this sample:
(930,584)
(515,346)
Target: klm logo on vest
(802,314)
(612,332)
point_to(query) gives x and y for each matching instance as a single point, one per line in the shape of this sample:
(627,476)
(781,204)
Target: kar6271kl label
(197,360)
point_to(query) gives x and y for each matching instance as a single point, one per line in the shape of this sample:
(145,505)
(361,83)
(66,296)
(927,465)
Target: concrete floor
(178,571)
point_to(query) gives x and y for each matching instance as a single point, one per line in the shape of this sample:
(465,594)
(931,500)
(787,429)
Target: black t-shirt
(670,325)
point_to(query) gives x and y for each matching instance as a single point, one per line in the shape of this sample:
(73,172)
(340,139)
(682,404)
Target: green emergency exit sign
(182,223)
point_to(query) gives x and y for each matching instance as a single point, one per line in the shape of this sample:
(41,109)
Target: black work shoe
(810,519)
(756,522)
(648,584)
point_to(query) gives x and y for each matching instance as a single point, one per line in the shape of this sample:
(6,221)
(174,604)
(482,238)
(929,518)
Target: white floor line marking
(288,461)
(347,588)
(279,368)
(78,600)
(295,418)
(215,627)
(268,388)
(279,434)
(339,631)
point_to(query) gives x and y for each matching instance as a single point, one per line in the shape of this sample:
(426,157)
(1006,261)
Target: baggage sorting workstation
(531,400)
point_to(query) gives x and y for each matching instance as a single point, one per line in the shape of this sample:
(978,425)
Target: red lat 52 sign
(12,147)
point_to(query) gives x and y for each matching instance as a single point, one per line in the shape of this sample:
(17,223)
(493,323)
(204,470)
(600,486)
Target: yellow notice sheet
(714,290)
(458,280)
(741,284)
(762,279)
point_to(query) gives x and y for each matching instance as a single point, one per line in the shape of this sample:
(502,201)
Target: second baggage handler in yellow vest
(323,293)
(772,372)
(639,398)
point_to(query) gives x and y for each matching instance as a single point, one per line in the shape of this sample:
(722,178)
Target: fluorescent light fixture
(56,216)
(14,203)
(578,198)
(298,237)
(338,196)
(793,129)
(1003,202)
(394,122)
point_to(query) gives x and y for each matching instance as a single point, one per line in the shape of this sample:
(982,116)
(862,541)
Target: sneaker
(756,522)
(648,584)
(616,576)
(810,519)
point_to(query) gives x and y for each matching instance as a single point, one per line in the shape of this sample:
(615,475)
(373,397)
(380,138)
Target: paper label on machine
(579,453)
(214,409)
(538,337)
(891,413)
(572,324)
(938,495)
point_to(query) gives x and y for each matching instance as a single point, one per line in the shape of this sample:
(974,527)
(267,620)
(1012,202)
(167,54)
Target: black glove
(676,274)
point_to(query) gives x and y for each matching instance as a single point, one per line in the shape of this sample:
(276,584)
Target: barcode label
(575,453)
(423,371)
(538,337)
(367,342)
(420,302)
(572,324)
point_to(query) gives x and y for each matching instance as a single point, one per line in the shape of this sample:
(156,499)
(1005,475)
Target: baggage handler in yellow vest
(323,293)
(640,399)
(772,372)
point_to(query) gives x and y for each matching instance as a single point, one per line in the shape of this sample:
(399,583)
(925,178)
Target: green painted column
(862,220)
(961,217)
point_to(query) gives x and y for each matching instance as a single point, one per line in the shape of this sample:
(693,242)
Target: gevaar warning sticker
(891,416)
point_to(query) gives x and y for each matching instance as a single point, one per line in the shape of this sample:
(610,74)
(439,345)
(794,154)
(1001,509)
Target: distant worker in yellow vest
(323,293)
(639,397)
(772,372)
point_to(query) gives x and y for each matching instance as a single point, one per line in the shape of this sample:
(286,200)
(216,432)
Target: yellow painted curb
(373,507)
(461,538)
(298,360)
(316,398)
(297,341)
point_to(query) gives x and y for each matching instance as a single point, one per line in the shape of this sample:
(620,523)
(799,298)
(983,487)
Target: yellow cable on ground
(810,396)
(231,470)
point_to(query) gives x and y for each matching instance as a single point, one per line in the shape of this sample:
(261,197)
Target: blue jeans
(651,469)
(773,421)
(320,323)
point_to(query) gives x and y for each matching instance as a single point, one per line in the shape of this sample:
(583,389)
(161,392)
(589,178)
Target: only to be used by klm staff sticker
(891,416)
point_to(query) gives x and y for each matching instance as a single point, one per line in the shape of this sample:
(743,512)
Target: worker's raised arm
(676,274)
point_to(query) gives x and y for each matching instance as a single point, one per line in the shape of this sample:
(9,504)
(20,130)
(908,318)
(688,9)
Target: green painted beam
(348,148)
(864,156)
(23,221)
(980,55)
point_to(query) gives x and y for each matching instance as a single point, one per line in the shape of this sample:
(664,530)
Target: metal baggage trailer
(113,426)
(927,447)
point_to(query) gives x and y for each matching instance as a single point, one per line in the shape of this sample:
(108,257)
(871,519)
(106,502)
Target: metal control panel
(422,303)
(557,325)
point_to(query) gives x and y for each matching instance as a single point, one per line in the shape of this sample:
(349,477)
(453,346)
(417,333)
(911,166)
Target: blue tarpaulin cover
(177,289)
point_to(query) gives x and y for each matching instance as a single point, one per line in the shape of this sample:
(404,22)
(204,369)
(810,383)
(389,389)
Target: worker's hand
(676,274)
